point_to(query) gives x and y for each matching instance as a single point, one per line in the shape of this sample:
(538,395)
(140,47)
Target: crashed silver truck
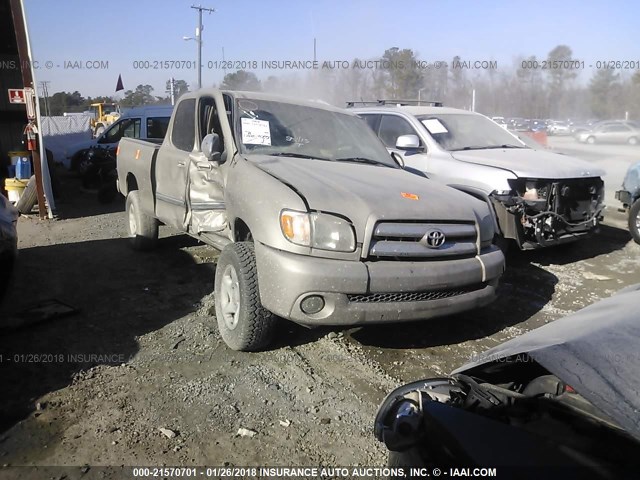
(540,198)
(315,221)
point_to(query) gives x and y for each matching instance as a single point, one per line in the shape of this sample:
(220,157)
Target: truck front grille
(409,241)
(413,296)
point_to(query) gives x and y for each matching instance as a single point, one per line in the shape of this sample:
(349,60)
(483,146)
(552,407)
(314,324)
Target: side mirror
(210,147)
(408,142)
(398,159)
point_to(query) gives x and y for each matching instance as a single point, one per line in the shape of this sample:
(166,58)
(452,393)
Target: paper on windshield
(255,132)
(434,126)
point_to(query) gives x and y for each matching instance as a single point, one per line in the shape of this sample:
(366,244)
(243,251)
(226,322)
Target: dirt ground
(142,352)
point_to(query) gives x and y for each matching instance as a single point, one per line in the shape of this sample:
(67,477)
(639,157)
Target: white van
(140,122)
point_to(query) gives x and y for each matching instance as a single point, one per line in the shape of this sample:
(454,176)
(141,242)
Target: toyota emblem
(434,238)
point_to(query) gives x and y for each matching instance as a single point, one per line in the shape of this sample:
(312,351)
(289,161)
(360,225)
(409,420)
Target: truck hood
(529,163)
(359,191)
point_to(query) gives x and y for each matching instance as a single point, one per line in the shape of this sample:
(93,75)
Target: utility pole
(199,38)
(172,90)
(45,92)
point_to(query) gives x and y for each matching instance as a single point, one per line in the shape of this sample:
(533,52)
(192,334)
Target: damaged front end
(541,212)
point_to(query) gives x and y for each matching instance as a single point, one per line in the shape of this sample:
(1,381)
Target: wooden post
(27,80)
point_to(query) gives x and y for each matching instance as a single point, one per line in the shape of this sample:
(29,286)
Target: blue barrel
(23,168)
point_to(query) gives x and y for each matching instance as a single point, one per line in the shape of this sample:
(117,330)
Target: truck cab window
(182,133)
(391,127)
(209,120)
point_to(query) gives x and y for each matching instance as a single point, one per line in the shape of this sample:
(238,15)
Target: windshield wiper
(486,147)
(297,155)
(363,160)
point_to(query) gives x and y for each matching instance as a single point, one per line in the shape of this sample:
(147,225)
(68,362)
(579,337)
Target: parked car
(611,132)
(557,127)
(500,121)
(538,125)
(576,128)
(316,222)
(540,198)
(630,198)
(8,241)
(141,122)
(563,396)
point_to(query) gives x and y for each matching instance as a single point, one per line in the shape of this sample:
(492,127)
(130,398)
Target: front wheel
(143,229)
(591,140)
(634,221)
(243,322)
(633,141)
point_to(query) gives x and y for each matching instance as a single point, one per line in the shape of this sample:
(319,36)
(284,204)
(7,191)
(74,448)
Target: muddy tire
(634,221)
(29,197)
(142,229)
(243,322)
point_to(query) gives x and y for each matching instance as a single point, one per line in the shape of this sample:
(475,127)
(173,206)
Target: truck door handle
(182,164)
(206,166)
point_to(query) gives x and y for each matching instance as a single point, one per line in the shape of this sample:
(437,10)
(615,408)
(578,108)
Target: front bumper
(359,292)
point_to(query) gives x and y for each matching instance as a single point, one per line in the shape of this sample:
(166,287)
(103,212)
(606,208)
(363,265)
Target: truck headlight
(318,230)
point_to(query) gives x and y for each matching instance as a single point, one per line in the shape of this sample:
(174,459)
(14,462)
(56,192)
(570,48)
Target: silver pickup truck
(315,221)
(540,198)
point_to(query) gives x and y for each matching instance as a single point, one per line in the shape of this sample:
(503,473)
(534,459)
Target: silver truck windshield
(286,129)
(467,132)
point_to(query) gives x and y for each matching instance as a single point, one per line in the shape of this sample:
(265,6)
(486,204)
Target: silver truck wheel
(634,221)
(143,229)
(230,297)
(243,322)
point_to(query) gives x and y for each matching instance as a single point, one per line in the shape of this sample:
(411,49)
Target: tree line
(518,90)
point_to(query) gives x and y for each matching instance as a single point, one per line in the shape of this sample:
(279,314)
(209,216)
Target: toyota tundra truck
(316,222)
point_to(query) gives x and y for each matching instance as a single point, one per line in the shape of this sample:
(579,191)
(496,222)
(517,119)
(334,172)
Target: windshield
(457,131)
(285,129)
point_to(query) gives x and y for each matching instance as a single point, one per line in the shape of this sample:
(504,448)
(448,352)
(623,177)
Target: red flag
(119,85)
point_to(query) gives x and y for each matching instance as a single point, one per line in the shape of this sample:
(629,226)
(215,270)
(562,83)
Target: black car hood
(595,350)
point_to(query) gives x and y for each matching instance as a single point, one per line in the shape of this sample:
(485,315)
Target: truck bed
(136,169)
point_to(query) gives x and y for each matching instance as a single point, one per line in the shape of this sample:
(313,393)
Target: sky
(119,37)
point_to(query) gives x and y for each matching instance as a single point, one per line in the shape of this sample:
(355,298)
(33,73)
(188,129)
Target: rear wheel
(591,140)
(143,229)
(243,322)
(634,221)
(633,141)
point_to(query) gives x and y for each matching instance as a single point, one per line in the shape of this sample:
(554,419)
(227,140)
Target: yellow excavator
(103,115)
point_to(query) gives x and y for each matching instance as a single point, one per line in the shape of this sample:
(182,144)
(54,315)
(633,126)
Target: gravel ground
(139,375)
